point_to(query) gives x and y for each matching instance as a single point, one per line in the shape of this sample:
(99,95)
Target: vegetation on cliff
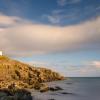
(23,75)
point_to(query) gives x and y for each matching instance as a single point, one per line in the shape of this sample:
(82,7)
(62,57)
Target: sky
(62,35)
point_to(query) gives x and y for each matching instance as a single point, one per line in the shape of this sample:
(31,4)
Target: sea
(84,88)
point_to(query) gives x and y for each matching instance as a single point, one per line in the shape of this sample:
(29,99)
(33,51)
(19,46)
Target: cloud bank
(23,38)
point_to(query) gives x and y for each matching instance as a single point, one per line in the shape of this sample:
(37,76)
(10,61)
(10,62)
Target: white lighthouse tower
(0,53)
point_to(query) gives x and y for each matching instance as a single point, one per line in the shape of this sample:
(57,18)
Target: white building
(0,53)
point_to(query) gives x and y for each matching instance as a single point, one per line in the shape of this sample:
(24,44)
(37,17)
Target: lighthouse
(0,53)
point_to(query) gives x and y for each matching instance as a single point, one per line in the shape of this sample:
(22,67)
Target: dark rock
(66,93)
(68,83)
(8,98)
(44,89)
(23,95)
(2,94)
(20,94)
(56,88)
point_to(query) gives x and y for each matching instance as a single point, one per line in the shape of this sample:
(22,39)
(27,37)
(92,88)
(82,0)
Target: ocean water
(73,89)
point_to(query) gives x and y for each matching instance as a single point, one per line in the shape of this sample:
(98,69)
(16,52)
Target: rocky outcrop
(15,94)
(23,75)
(53,89)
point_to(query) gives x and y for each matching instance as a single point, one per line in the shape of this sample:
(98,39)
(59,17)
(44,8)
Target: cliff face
(23,75)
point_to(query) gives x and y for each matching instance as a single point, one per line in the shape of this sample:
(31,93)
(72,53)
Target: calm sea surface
(73,89)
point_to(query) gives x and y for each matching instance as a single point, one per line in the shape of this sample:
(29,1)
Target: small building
(0,53)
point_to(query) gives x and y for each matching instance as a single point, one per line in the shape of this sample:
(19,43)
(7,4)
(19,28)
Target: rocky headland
(16,76)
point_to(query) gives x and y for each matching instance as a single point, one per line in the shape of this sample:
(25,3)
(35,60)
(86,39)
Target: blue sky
(63,35)
(74,11)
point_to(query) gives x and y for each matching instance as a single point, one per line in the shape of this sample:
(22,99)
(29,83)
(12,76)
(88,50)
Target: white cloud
(26,39)
(12,21)
(8,20)
(96,64)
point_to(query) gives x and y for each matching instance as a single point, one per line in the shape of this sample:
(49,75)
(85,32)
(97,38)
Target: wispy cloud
(89,69)
(64,2)
(8,20)
(55,19)
(98,8)
(61,2)
(26,39)
(60,16)
(60,19)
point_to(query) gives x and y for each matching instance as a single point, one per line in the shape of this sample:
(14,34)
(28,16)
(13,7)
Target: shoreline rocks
(15,94)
